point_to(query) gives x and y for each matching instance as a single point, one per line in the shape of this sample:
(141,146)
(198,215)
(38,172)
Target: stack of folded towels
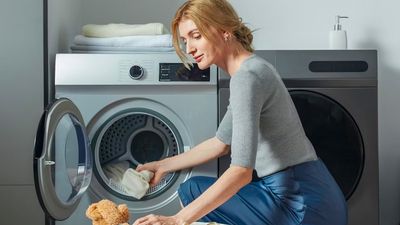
(151,37)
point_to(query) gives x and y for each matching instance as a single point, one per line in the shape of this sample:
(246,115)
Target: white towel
(115,171)
(136,183)
(107,49)
(164,40)
(120,29)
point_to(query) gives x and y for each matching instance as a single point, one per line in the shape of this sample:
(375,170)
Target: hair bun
(244,35)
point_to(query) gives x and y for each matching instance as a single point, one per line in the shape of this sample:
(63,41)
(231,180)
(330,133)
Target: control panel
(159,68)
(178,72)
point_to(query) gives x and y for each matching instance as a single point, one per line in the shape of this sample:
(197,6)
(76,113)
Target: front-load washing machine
(117,111)
(335,94)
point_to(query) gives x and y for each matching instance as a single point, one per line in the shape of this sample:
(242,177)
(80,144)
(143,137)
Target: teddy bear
(106,212)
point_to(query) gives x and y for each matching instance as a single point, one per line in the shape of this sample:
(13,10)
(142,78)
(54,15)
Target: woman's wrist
(162,166)
(180,220)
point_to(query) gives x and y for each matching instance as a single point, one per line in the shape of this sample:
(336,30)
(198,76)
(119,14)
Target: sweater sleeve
(224,132)
(246,101)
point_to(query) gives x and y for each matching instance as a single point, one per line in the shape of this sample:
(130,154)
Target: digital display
(178,72)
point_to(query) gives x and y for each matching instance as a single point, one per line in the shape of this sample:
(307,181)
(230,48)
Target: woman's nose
(189,48)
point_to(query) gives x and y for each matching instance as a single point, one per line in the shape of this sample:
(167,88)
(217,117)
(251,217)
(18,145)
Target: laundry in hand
(115,171)
(136,183)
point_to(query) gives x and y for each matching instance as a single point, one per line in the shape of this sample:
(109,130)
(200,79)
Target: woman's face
(204,52)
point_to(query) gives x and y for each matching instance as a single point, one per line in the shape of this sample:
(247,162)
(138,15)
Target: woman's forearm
(224,188)
(207,150)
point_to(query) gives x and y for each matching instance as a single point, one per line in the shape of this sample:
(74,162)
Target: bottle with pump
(338,37)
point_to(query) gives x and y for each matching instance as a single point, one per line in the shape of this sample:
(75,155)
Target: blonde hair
(218,14)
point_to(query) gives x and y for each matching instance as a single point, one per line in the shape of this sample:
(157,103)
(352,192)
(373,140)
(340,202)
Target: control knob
(136,72)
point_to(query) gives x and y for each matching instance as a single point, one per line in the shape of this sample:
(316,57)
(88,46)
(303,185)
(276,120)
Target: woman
(261,131)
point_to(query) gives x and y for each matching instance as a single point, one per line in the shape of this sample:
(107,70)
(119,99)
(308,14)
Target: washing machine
(125,110)
(335,94)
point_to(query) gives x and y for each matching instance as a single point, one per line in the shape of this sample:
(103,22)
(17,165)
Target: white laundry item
(115,171)
(121,29)
(164,40)
(107,49)
(136,183)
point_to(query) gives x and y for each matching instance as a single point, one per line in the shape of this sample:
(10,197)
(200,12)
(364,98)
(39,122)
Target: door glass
(334,135)
(69,149)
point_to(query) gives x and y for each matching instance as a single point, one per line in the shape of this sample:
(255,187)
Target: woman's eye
(197,36)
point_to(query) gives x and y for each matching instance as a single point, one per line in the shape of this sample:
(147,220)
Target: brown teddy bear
(106,212)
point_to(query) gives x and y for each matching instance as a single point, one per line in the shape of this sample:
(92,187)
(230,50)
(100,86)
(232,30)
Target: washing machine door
(335,136)
(62,159)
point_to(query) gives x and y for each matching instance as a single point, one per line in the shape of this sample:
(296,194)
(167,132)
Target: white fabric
(136,183)
(108,49)
(164,40)
(120,29)
(115,171)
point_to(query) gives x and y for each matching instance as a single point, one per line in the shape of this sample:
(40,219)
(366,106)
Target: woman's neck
(233,59)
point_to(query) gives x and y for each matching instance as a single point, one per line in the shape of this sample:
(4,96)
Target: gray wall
(22,96)
(21,104)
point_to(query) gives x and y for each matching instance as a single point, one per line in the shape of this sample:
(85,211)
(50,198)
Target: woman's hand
(154,167)
(159,220)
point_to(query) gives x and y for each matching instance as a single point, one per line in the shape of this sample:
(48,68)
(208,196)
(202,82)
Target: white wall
(64,22)
(128,11)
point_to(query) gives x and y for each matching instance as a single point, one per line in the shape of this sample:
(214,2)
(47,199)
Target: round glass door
(62,163)
(129,138)
(334,135)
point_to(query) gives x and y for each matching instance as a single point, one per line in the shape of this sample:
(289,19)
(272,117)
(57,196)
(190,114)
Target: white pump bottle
(338,37)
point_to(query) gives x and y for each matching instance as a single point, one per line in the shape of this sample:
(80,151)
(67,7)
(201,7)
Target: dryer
(335,94)
(112,108)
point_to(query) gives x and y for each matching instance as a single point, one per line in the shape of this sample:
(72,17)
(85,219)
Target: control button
(136,72)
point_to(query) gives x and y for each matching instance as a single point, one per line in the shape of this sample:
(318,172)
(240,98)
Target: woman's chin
(203,66)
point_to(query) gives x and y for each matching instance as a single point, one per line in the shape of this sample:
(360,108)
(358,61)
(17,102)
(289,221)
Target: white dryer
(134,108)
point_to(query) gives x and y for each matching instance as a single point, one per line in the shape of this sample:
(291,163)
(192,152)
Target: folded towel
(136,183)
(107,49)
(164,40)
(120,29)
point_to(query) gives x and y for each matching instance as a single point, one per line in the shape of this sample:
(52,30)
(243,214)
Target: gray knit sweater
(261,123)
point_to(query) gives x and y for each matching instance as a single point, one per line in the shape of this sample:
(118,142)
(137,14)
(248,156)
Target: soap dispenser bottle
(338,37)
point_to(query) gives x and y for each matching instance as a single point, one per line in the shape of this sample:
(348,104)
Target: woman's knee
(193,188)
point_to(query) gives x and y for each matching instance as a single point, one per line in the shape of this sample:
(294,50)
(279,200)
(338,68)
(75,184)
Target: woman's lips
(198,58)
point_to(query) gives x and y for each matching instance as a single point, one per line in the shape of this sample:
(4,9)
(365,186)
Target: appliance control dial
(136,72)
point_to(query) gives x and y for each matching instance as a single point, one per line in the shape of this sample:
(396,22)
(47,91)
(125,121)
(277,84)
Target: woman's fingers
(151,166)
(140,167)
(149,219)
(147,166)
(141,221)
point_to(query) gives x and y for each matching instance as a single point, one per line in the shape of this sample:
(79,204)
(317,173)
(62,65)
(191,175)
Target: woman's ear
(226,35)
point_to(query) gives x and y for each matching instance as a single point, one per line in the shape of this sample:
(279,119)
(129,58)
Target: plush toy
(106,212)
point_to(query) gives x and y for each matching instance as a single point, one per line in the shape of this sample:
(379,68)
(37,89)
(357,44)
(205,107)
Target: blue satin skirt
(302,194)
